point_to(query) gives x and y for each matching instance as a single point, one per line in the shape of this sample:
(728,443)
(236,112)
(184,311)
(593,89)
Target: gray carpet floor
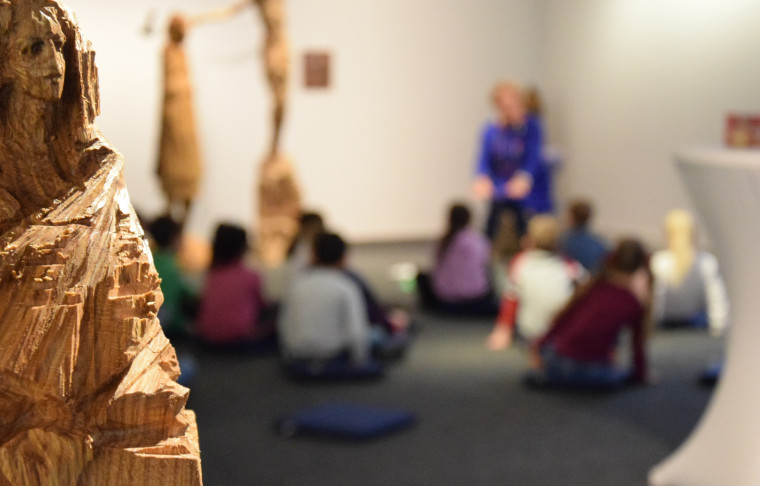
(478,425)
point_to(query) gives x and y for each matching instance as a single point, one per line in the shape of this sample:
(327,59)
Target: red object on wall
(742,130)
(316,69)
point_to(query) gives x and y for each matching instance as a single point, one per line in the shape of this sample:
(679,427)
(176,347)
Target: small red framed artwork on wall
(316,66)
(742,130)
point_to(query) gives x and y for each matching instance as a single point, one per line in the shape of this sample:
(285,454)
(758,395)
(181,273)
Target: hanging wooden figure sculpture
(278,191)
(179,160)
(88,390)
(279,195)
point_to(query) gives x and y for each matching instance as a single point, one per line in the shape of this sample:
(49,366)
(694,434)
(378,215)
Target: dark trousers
(498,207)
(481,306)
(376,314)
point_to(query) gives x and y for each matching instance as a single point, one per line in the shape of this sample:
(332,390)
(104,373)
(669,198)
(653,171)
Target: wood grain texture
(279,208)
(179,159)
(88,392)
(279,192)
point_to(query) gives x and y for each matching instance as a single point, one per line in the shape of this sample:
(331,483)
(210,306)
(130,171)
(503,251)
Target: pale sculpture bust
(87,379)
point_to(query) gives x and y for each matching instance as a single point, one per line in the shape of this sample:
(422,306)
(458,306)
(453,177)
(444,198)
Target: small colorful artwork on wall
(742,130)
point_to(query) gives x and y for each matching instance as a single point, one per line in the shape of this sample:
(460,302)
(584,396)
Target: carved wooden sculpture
(279,194)
(279,208)
(179,160)
(88,395)
(276,60)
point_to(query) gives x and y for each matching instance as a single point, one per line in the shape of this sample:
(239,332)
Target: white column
(724,448)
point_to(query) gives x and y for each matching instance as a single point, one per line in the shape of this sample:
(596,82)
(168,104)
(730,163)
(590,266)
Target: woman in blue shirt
(510,157)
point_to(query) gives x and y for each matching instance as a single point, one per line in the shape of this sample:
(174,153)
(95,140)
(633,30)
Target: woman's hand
(519,186)
(482,188)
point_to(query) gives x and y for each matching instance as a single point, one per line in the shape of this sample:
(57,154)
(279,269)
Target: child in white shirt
(539,284)
(324,317)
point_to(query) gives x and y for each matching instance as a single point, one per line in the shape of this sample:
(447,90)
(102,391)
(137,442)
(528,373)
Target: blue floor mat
(345,421)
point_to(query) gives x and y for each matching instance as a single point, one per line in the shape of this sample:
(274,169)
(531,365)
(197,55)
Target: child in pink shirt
(232,301)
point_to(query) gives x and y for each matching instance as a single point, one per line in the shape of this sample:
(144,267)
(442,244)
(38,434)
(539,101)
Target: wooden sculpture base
(279,208)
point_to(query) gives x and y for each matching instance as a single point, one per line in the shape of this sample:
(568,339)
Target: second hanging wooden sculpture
(279,195)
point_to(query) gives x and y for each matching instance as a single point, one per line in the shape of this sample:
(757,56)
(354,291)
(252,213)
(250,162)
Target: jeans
(565,372)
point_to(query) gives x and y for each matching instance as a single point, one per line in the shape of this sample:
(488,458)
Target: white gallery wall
(393,140)
(381,152)
(630,82)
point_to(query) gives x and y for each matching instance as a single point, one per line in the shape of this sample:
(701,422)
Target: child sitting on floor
(232,306)
(688,288)
(579,242)
(460,281)
(578,351)
(324,320)
(539,283)
(180,299)
(311,223)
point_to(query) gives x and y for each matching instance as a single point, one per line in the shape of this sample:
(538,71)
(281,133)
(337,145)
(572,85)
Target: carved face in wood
(35,59)
(177,28)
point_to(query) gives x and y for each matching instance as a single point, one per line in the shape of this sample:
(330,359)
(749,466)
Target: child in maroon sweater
(578,350)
